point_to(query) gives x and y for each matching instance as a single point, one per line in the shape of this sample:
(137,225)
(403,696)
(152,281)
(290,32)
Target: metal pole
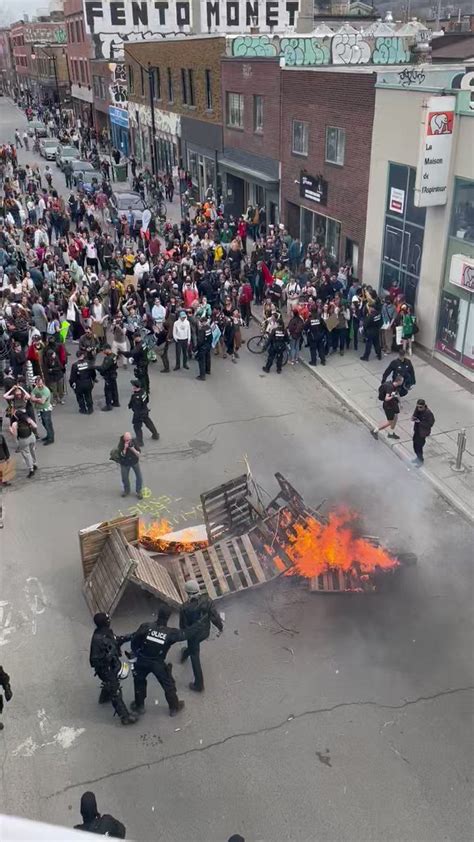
(154,168)
(54,58)
(461,448)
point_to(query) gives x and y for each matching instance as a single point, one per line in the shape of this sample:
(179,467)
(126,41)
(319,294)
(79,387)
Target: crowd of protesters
(72,272)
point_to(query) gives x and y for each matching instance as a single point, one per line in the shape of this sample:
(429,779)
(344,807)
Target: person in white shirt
(182,339)
(91,255)
(140,268)
(41,207)
(158,313)
(41,237)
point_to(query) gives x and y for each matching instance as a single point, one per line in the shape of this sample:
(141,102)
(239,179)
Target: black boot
(176,710)
(137,708)
(196,689)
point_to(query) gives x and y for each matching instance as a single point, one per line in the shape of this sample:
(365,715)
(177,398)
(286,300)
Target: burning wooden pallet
(254,546)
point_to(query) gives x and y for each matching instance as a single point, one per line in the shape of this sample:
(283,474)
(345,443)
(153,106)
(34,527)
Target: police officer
(198,610)
(138,403)
(203,348)
(104,658)
(372,327)
(93,822)
(108,370)
(139,358)
(5,685)
(316,333)
(151,643)
(82,379)
(277,342)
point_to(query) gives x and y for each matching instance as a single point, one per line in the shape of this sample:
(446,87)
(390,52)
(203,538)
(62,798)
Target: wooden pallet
(106,583)
(230,565)
(227,508)
(153,577)
(336,581)
(92,540)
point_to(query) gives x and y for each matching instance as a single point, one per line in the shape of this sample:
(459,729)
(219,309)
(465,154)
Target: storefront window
(210,173)
(455,337)
(462,222)
(327,231)
(404,231)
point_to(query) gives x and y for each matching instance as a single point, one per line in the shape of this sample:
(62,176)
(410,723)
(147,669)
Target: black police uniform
(203,350)
(108,370)
(139,356)
(151,643)
(138,403)
(104,658)
(5,685)
(316,332)
(198,610)
(372,327)
(277,343)
(104,825)
(82,379)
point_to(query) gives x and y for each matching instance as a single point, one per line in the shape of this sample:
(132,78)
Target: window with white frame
(235,110)
(300,135)
(258,113)
(335,145)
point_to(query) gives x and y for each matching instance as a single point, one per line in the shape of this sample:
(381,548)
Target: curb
(397,449)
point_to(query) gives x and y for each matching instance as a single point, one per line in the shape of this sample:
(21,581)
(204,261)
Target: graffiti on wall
(166,122)
(431,78)
(341,48)
(118,85)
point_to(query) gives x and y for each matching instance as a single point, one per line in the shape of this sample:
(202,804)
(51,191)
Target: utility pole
(151,88)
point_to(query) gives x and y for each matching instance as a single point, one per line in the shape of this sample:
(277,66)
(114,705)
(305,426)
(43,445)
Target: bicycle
(259,344)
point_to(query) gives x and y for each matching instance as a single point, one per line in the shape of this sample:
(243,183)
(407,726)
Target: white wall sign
(461,272)
(397,200)
(436,142)
(112,24)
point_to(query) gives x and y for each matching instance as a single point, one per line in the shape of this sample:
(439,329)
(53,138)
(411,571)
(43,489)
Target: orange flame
(316,548)
(151,537)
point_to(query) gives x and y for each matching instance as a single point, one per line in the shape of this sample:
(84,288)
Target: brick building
(6,62)
(250,161)
(79,53)
(184,82)
(39,58)
(326,132)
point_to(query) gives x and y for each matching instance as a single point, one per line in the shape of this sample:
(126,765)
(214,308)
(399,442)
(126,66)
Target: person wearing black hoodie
(93,822)
(423,420)
(401,367)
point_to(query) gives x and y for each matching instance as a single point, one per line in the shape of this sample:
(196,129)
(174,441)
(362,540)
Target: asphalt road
(325,717)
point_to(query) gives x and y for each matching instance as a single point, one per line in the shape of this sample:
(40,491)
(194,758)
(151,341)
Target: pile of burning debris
(242,544)
(255,543)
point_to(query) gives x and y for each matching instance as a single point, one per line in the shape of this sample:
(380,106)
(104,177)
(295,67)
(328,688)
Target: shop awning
(264,170)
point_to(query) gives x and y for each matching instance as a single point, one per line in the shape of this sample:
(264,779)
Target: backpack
(382,392)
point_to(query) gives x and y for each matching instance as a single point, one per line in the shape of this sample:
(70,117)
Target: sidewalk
(356,384)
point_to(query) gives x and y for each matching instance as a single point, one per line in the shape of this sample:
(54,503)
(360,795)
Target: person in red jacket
(245,299)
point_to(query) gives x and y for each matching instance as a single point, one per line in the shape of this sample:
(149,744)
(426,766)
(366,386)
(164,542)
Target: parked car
(84,171)
(37,127)
(120,202)
(48,147)
(66,153)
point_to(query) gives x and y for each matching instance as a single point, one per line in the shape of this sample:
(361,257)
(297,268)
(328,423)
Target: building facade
(420,220)
(79,53)
(7,76)
(40,59)
(250,161)
(185,129)
(327,118)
